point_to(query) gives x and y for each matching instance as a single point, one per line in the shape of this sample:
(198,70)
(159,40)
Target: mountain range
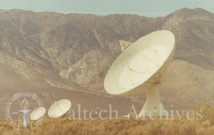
(67,56)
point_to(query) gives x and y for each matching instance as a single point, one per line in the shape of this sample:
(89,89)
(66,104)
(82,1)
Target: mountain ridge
(73,52)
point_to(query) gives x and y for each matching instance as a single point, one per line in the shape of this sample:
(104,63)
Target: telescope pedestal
(153,105)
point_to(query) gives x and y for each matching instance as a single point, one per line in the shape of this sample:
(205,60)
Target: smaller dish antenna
(38,113)
(59,108)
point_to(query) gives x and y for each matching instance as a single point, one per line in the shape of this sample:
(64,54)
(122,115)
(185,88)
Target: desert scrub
(115,127)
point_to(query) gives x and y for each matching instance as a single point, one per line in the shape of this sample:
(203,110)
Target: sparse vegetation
(116,127)
(121,127)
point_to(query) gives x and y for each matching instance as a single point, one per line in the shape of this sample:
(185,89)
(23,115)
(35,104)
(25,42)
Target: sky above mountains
(150,8)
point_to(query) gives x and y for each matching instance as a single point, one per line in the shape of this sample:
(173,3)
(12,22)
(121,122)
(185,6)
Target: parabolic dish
(59,108)
(140,62)
(37,113)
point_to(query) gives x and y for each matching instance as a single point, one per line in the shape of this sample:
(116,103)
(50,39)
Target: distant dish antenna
(59,108)
(140,67)
(38,113)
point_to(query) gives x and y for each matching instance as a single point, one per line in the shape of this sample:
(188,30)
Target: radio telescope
(59,108)
(140,67)
(37,113)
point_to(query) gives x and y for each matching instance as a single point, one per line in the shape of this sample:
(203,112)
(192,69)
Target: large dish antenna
(59,108)
(140,67)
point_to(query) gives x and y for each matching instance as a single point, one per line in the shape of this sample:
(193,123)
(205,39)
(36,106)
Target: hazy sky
(151,8)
